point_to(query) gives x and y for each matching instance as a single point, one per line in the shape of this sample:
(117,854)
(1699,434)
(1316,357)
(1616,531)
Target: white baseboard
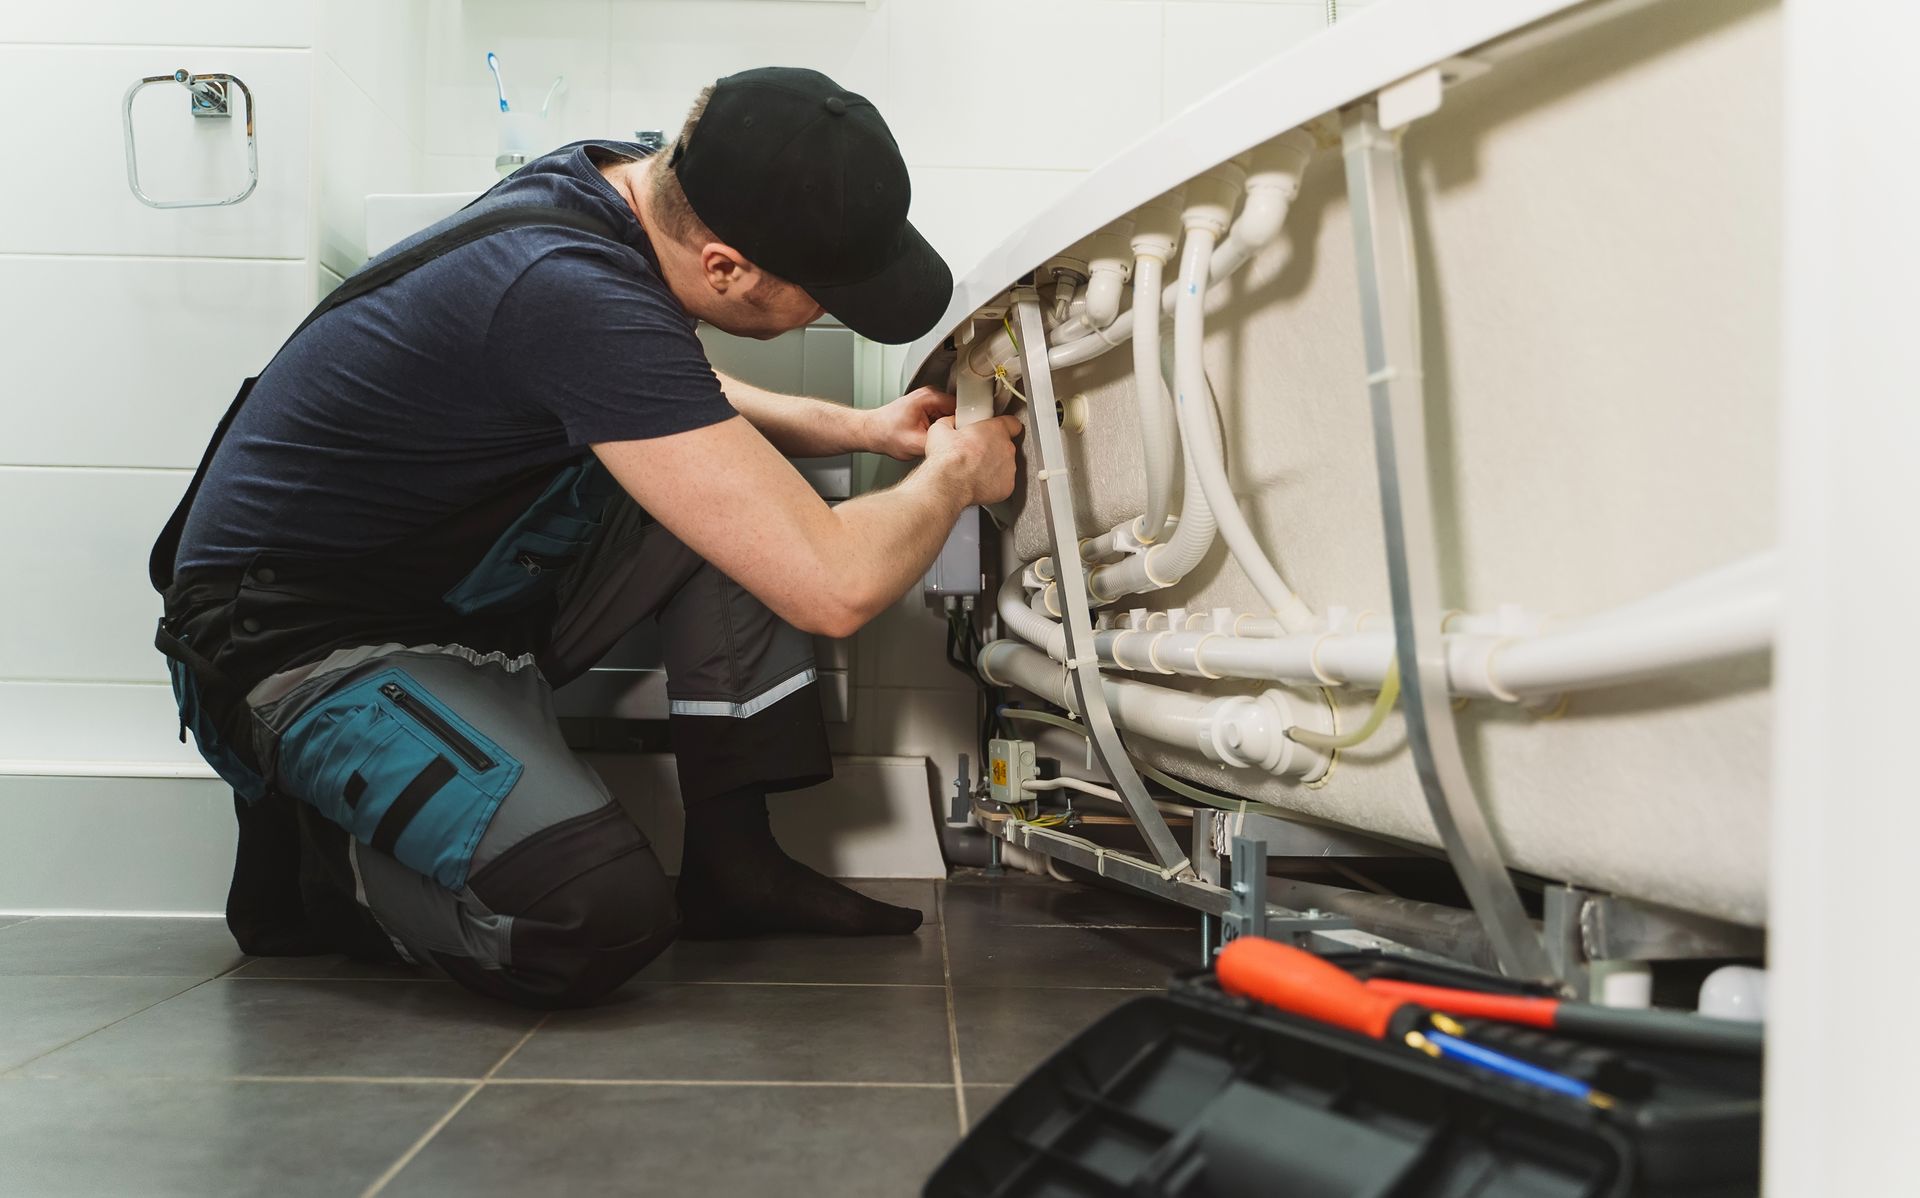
(164,846)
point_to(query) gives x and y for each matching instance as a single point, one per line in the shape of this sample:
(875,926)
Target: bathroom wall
(998,105)
(124,331)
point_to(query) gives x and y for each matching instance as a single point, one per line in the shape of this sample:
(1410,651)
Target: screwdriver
(1673,1028)
(1298,982)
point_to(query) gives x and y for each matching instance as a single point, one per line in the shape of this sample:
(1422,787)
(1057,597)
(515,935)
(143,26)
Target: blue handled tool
(1453,1048)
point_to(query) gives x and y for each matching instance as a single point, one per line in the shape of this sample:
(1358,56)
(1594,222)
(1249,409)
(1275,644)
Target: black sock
(736,881)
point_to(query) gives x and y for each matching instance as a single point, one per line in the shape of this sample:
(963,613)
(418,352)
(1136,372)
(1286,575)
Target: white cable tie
(1385,374)
(1493,684)
(1313,660)
(1198,665)
(1057,471)
(1153,654)
(1173,871)
(1074,663)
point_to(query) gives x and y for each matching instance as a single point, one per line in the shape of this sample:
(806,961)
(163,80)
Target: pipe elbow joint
(1104,288)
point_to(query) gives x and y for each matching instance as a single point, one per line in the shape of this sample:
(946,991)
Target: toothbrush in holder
(499,88)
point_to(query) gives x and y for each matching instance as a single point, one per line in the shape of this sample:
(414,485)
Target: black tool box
(1198,1094)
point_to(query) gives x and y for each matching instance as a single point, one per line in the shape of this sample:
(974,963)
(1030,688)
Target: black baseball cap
(803,177)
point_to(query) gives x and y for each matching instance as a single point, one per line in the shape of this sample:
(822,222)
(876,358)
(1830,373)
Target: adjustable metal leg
(1390,316)
(1083,660)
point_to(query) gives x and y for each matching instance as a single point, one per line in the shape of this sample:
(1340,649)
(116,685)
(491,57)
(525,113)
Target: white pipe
(1165,564)
(1598,653)
(1192,404)
(1030,626)
(1156,235)
(1065,284)
(1273,180)
(1610,653)
(1158,428)
(1277,166)
(972,398)
(1762,570)
(1108,267)
(1236,730)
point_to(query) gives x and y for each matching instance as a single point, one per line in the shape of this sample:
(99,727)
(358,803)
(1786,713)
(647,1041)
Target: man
(458,486)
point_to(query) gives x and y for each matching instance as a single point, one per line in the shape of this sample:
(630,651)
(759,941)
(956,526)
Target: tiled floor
(147,1056)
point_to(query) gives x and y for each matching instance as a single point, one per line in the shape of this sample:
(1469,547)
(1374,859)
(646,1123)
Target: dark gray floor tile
(793,1141)
(749,1033)
(40,1014)
(331,968)
(981,1099)
(984,954)
(923,893)
(847,960)
(89,1137)
(1004,1033)
(1022,900)
(302,1029)
(118,947)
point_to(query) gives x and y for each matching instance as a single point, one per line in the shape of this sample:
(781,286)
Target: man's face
(765,310)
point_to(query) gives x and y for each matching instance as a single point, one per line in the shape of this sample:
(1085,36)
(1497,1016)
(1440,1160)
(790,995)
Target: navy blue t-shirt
(425,397)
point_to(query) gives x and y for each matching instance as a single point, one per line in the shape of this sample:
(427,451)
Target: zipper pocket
(433,722)
(536,564)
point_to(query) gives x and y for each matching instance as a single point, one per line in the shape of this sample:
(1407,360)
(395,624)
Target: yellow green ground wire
(1330,741)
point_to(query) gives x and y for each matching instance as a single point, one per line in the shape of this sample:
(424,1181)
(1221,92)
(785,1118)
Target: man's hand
(979,459)
(899,430)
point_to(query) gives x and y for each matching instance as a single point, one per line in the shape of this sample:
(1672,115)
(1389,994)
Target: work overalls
(400,779)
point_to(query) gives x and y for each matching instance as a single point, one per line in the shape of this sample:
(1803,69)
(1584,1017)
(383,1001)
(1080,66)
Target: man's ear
(725,268)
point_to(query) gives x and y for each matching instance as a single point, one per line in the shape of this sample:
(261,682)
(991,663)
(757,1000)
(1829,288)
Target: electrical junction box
(1011,764)
(956,572)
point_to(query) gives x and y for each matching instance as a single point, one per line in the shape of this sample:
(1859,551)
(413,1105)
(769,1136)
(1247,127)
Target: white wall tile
(534,43)
(905,646)
(84,205)
(664,51)
(966,212)
(360,150)
(131,361)
(1043,84)
(382,46)
(145,845)
(96,722)
(775,364)
(79,606)
(175,23)
(458,172)
(1209,44)
(826,364)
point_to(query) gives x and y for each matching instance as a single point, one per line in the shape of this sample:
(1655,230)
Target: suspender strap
(483,222)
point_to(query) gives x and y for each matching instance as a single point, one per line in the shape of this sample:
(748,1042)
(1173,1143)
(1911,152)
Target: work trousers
(441,816)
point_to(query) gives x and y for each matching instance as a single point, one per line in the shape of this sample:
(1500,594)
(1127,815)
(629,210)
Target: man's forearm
(891,537)
(797,426)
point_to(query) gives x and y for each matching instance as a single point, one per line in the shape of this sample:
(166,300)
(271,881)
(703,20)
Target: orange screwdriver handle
(1506,1008)
(1298,982)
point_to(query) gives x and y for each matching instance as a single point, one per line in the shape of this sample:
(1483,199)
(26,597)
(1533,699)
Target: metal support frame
(1083,659)
(1390,316)
(1248,914)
